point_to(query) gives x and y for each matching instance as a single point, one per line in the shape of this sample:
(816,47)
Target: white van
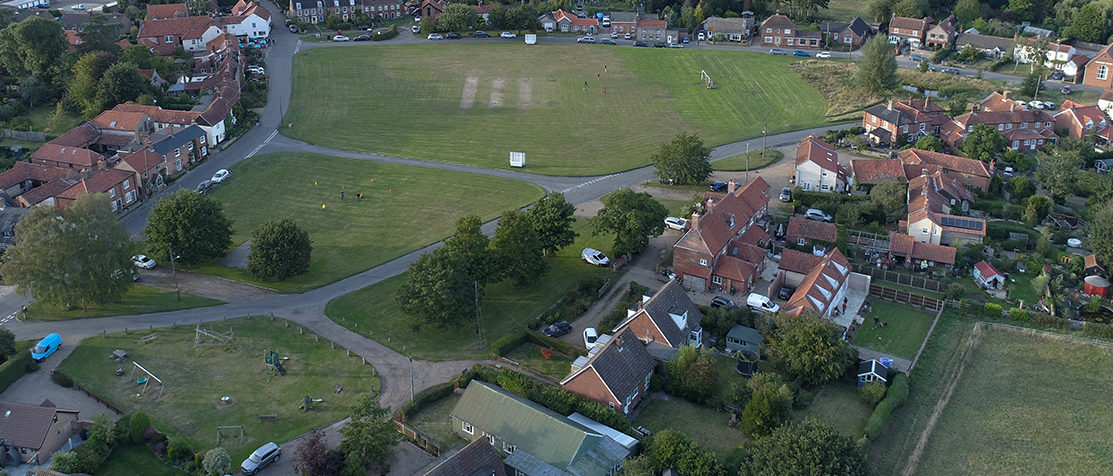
(761,303)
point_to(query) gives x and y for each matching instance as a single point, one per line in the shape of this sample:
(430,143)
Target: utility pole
(174,272)
(764,134)
(476,283)
(411,379)
(747,162)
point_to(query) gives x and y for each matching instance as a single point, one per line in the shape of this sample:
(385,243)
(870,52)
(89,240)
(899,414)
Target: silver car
(261,457)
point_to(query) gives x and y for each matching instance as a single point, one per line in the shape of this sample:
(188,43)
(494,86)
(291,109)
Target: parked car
(586,39)
(954,71)
(507,34)
(204,186)
(341,38)
(686,40)
(917,58)
(557,329)
(719,301)
(614,34)
(293,28)
(142,261)
(452,36)
(1020,103)
(786,194)
(1036,105)
(817,214)
(256,69)
(220,176)
(590,336)
(79,6)
(823,54)
(761,303)
(45,347)
(701,37)
(641,45)
(778,52)
(260,458)
(595,257)
(435,36)
(626,36)
(785,292)
(718,186)
(415,29)
(801,53)
(1065,90)
(1050,105)
(659,44)
(676,223)
(364,37)
(1056,75)
(606,41)
(482,34)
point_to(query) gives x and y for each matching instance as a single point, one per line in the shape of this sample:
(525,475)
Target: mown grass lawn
(137,460)
(1026,405)
(707,427)
(436,422)
(529,354)
(191,407)
(1022,289)
(404,209)
(905,329)
(140,299)
(374,312)
(474,102)
(739,163)
(837,403)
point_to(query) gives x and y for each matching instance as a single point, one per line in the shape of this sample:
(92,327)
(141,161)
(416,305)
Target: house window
(702,262)
(177,152)
(467,428)
(111,193)
(846,39)
(169,39)
(490,438)
(130,197)
(611,404)
(788,31)
(769,30)
(825,186)
(509,448)
(807,186)
(178,164)
(925,230)
(801,241)
(127,184)
(1000,127)
(1023,125)
(1103,72)
(717,280)
(647,377)
(904,128)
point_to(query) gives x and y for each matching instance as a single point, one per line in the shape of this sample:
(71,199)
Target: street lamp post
(174,273)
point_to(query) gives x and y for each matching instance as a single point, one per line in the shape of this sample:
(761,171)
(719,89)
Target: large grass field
(474,102)
(374,312)
(905,329)
(1026,405)
(140,299)
(191,407)
(404,209)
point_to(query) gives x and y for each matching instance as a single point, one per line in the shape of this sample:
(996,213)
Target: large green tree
(1091,23)
(1100,232)
(216,461)
(33,47)
(517,249)
(457,17)
(1060,165)
(1038,208)
(890,196)
(929,142)
(633,217)
(813,349)
(70,259)
(438,290)
(692,373)
(911,8)
(966,11)
(279,250)
(768,407)
(984,143)
(368,436)
(471,246)
(122,82)
(1021,188)
(684,159)
(191,224)
(87,73)
(805,448)
(877,72)
(99,34)
(552,219)
(670,449)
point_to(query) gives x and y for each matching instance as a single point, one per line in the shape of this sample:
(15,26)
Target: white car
(79,6)
(220,176)
(817,215)
(590,336)
(341,38)
(507,34)
(435,36)
(595,257)
(415,29)
(142,261)
(676,223)
(823,54)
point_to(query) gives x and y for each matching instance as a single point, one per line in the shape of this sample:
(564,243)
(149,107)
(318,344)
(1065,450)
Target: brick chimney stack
(694,221)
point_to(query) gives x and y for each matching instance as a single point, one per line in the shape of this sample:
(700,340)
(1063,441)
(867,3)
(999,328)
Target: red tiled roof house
(723,250)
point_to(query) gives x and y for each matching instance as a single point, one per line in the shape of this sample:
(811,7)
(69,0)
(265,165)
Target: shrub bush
(384,35)
(992,309)
(16,366)
(61,379)
(508,342)
(1101,331)
(178,451)
(894,397)
(1050,322)
(871,393)
(137,427)
(563,347)
(1018,314)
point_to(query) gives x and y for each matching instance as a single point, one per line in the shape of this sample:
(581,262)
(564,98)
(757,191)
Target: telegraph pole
(747,162)
(476,283)
(174,272)
(764,135)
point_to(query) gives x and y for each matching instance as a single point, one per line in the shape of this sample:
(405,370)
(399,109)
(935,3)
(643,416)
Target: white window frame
(717,279)
(467,427)
(507,447)
(112,193)
(801,241)
(1103,72)
(702,262)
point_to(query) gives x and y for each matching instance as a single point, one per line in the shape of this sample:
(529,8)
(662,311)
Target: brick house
(930,200)
(869,172)
(853,35)
(908,30)
(780,30)
(905,250)
(76,158)
(969,172)
(33,433)
(914,117)
(823,288)
(1024,130)
(664,321)
(652,30)
(732,29)
(818,168)
(943,34)
(1083,122)
(624,22)
(151,168)
(1000,102)
(804,232)
(615,374)
(28,184)
(120,185)
(317,11)
(1099,70)
(795,265)
(166,11)
(993,47)
(431,9)
(723,250)
(191,33)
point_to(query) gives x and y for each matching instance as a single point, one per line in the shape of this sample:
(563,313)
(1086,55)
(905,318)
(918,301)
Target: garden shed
(872,371)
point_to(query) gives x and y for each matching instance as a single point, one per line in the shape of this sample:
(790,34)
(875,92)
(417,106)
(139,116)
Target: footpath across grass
(473,102)
(140,299)
(404,208)
(1026,404)
(191,407)
(375,313)
(903,333)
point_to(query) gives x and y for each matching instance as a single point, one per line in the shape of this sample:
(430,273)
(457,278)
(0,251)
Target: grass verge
(905,329)
(140,299)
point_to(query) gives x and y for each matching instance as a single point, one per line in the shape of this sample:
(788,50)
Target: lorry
(531,38)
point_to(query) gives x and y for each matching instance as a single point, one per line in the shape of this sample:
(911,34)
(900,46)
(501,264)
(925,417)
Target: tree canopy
(191,224)
(633,217)
(457,17)
(472,247)
(768,407)
(99,34)
(813,349)
(805,448)
(929,142)
(33,47)
(279,250)
(684,160)
(76,258)
(368,436)
(984,143)
(122,82)
(552,219)
(877,72)
(1100,231)
(438,290)
(1061,165)
(517,249)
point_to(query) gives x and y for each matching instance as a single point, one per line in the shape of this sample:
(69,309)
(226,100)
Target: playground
(243,381)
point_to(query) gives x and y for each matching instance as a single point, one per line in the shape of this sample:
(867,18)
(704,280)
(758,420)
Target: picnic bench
(272,417)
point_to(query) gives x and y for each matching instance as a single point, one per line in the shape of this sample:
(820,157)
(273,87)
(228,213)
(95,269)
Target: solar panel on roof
(959,222)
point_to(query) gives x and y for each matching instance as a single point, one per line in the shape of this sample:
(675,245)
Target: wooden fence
(904,279)
(906,297)
(23,135)
(418,438)
(98,399)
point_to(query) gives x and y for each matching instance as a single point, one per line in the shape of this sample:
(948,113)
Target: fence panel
(418,438)
(23,135)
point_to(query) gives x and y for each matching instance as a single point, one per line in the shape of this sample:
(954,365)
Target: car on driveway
(786,194)
(817,215)
(606,41)
(557,329)
(626,36)
(362,38)
(260,458)
(452,36)
(614,34)
(785,292)
(45,347)
(482,34)
(341,38)
(823,54)
(718,186)
(1050,105)
(801,53)
(142,261)
(590,336)
(719,301)
(507,34)
(595,257)
(220,176)
(293,28)
(79,6)
(778,52)
(917,58)
(1057,75)
(586,39)
(415,29)
(1065,90)
(676,223)
(435,36)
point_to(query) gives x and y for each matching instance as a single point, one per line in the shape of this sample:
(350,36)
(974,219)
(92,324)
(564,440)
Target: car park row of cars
(457,36)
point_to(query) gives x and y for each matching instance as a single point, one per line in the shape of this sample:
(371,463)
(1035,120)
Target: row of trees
(462,17)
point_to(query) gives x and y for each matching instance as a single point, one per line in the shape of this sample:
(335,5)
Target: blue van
(47,346)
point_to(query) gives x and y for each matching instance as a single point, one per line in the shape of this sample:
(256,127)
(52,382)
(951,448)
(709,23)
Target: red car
(1066,90)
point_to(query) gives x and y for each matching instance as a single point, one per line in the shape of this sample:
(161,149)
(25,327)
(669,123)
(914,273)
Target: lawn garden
(435,421)
(139,299)
(375,313)
(905,329)
(191,406)
(1026,404)
(474,102)
(404,208)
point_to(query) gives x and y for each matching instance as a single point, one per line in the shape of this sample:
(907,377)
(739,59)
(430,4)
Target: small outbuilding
(987,276)
(1092,266)
(746,340)
(872,371)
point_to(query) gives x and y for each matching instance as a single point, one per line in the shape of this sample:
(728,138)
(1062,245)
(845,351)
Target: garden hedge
(894,397)
(425,398)
(508,342)
(563,347)
(16,365)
